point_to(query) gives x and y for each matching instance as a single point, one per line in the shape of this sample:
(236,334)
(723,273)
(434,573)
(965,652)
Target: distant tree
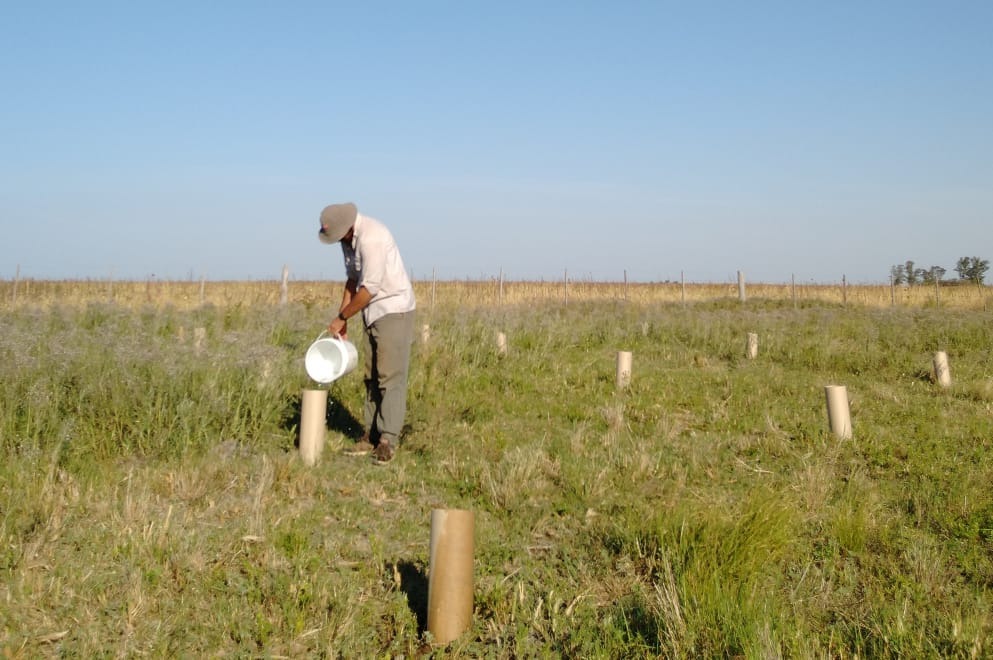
(972,269)
(961,267)
(907,272)
(911,273)
(932,274)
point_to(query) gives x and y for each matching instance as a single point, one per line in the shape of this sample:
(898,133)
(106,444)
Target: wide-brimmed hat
(336,220)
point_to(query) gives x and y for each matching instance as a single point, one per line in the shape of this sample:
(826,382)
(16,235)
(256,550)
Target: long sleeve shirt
(373,261)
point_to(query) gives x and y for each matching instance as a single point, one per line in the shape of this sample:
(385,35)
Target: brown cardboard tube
(942,374)
(450,587)
(839,416)
(624,359)
(313,426)
(199,338)
(752,346)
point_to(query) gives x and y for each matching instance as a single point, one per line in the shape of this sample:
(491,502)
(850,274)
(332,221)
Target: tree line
(969,269)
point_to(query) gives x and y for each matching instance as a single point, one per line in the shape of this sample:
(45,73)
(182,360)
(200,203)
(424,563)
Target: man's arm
(346,295)
(353,301)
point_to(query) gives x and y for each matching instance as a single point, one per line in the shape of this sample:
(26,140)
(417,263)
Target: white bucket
(330,358)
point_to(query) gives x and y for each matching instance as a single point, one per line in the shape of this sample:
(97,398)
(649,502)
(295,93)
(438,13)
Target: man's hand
(354,300)
(338,328)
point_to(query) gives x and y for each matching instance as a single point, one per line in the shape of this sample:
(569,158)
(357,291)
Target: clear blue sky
(777,138)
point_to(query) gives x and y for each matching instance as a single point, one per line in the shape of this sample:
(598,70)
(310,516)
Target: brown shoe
(383,453)
(362,447)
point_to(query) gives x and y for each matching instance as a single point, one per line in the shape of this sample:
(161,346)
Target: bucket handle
(324,333)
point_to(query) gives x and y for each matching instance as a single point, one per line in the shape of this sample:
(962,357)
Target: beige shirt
(372,260)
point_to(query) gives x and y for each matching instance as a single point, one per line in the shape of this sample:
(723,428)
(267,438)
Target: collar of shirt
(356,228)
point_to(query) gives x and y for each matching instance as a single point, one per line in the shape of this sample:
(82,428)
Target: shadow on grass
(337,418)
(641,625)
(414,583)
(340,419)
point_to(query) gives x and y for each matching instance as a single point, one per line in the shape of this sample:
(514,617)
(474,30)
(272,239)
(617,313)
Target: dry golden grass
(476,293)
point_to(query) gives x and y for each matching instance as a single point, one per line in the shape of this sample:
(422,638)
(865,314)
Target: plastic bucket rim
(327,366)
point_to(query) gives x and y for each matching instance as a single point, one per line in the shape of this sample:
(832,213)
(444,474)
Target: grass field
(152,501)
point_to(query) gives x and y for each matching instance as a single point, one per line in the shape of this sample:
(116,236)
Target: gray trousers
(386,364)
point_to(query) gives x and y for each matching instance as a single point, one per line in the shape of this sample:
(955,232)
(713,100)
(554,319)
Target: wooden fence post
(284,289)
(17,279)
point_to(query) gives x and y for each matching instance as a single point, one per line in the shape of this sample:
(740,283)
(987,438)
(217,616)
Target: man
(379,288)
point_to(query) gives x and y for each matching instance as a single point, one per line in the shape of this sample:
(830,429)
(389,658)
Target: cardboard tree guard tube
(623,376)
(450,589)
(313,424)
(839,415)
(942,374)
(752,346)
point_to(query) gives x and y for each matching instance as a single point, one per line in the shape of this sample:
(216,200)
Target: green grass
(152,502)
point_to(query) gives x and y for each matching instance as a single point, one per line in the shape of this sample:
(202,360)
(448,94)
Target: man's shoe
(383,453)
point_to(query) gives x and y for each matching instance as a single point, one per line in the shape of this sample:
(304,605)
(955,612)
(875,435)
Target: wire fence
(495,291)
